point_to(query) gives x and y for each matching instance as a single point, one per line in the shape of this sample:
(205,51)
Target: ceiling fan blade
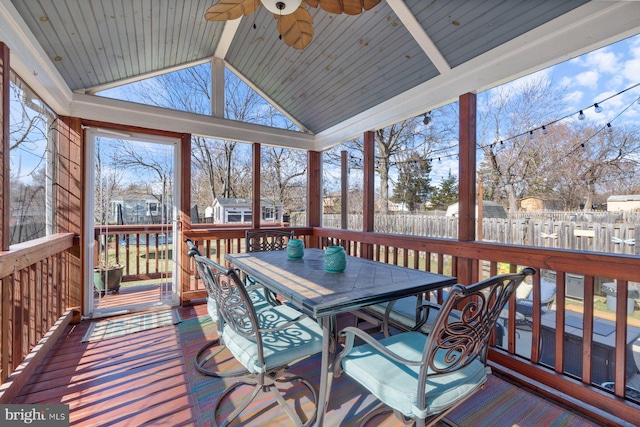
(331,6)
(297,28)
(312,3)
(226,10)
(369,4)
(349,7)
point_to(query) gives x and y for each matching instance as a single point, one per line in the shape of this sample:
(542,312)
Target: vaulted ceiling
(397,60)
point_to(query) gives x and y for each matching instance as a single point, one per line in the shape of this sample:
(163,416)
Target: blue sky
(587,79)
(598,75)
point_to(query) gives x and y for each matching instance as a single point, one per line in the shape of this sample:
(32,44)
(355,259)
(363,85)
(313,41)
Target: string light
(609,127)
(580,113)
(544,130)
(598,108)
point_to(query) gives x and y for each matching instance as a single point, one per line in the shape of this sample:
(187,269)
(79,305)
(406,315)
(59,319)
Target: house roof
(624,198)
(400,59)
(235,202)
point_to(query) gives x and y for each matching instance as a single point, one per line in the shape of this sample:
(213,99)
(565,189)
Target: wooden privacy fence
(594,233)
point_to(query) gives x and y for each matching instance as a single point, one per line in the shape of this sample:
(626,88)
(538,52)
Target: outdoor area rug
(130,324)
(498,404)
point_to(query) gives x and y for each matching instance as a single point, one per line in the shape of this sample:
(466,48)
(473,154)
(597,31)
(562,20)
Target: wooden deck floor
(132,296)
(136,380)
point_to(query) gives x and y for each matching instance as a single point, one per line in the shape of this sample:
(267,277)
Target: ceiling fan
(295,24)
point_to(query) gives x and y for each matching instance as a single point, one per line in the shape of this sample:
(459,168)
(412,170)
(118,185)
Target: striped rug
(130,324)
(498,404)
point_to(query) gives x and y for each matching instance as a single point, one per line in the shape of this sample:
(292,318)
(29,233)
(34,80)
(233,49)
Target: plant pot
(108,279)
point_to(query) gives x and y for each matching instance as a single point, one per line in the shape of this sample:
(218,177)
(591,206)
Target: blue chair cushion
(396,384)
(403,313)
(280,348)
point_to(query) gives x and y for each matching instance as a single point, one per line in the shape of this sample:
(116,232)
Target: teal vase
(335,259)
(295,248)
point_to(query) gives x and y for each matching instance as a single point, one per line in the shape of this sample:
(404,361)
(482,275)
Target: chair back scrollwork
(454,344)
(267,240)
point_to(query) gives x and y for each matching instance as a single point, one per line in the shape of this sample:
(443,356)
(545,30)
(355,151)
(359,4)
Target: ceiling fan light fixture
(281,7)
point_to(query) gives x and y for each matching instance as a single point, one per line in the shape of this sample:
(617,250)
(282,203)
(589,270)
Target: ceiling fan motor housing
(281,7)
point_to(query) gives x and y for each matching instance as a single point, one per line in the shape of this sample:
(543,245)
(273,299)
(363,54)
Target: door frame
(91,133)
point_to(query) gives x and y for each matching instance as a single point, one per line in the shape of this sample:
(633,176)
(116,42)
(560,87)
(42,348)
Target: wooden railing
(35,291)
(486,259)
(144,250)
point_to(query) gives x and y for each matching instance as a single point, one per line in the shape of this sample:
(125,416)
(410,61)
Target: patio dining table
(322,295)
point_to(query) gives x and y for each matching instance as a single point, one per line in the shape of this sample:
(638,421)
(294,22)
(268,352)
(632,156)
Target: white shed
(230,211)
(624,202)
(489,210)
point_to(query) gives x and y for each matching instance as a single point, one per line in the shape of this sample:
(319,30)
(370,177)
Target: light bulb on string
(581,115)
(531,134)
(609,127)
(598,109)
(544,130)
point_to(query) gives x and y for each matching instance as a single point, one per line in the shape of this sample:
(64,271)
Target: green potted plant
(107,277)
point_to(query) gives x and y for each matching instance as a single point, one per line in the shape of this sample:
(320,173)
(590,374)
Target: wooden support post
(368,202)
(467,183)
(185,214)
(5,71)
(217,87)
(314,192)
(255,187)
(344,190)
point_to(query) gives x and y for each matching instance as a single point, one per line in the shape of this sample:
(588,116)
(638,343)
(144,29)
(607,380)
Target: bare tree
(511,154)
(108,181)
(30,121)
(283,172)
(594,157)
(396,143)
(154,166)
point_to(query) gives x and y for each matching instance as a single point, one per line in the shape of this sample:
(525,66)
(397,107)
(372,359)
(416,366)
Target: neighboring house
(489,210)
(391,206)
(231,211)
(536,204)
(331,203)
(628,202)
(529,204)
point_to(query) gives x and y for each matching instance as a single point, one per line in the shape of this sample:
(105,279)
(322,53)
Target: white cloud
(574,97)
(588,79)
(631,70)
(603,60)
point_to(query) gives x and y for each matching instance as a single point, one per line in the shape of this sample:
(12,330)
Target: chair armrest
(422,313)
(282,326)
(350,333)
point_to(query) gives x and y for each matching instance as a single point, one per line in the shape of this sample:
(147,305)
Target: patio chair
(524,306)
(204,355)
(265,342)
(266,240)
(422,377)
(412,313)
